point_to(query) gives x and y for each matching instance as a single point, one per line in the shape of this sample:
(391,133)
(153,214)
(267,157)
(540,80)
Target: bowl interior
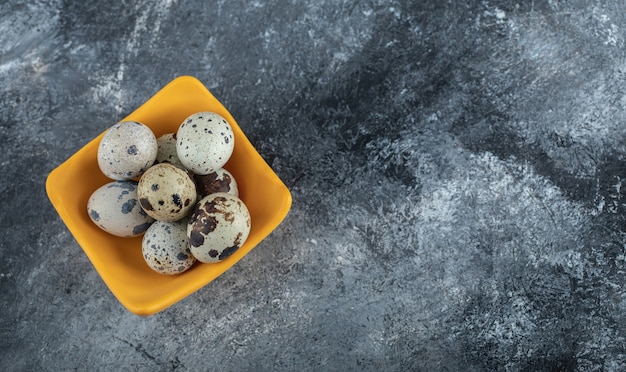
(119,261)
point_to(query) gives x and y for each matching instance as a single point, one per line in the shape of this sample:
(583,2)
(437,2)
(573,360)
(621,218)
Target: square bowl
(119,261)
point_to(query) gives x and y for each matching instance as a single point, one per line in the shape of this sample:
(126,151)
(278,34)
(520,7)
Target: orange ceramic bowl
(119,261)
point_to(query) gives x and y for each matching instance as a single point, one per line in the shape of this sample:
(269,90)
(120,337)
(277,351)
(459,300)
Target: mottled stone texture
(456,169)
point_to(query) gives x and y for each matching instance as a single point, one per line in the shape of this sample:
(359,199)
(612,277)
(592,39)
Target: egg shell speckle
(165,247)
(114,207)
(126,150)
(218,226)
(166,150)
(166,192)
(219,181)
(204,142)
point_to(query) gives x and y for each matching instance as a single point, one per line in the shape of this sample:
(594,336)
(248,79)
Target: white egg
(218,226)
(114,208)
(204,142)
(126,150)
(166,192)
(165,247)
(219,181)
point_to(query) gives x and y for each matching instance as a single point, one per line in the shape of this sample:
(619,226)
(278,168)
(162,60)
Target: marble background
(456,171)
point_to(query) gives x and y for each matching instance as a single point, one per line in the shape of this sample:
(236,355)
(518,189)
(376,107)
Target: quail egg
(204,142)
(165,247)
(218,226)
(166,150)
(166,192)
(219,181)
(126,150)
(114,208)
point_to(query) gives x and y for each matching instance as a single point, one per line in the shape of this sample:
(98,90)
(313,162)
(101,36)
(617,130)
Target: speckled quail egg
(166,192)
(166,150)
(126,150)
(114,208)
(219,181)
(165,247)
(204,142)
(219,225)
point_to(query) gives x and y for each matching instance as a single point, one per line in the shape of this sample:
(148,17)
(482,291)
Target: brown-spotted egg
(165,247)
(218,226)
(166,192)
(126,150)
(114,208)
(204,142)
(219,181)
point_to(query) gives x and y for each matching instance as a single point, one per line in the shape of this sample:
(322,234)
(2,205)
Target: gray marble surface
(456,171)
